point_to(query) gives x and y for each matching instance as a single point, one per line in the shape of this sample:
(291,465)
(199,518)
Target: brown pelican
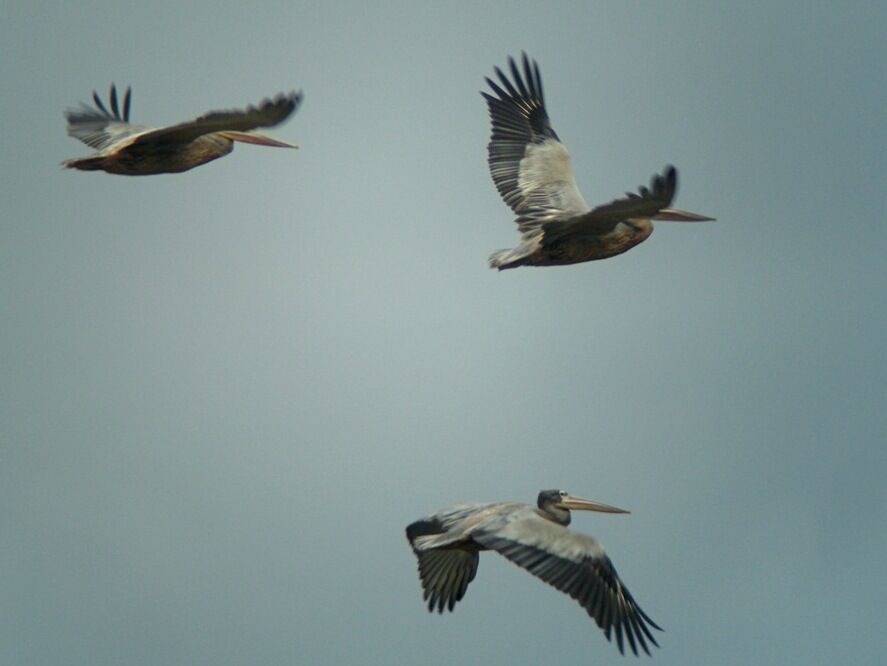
(134,150)
(537,539)
(531,169)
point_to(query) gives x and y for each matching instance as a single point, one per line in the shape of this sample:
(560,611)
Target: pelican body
(531,169)
(535,538)
(134,150)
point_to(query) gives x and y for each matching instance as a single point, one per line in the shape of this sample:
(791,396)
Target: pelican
(135,150)
(531,169)
(535,538)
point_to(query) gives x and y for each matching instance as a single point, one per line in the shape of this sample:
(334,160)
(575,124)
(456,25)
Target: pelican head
(557,504)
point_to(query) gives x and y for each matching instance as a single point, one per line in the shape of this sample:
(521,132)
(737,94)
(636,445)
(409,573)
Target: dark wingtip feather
(98,103)
(115,108)
(113,96)
(669,181)
(518,79)
(651,623)
(617,626)
(528,75)
(126,100)
(671,175)
(423,528)
(496,89)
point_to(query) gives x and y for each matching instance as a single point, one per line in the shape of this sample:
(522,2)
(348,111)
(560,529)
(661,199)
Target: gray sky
(225,393)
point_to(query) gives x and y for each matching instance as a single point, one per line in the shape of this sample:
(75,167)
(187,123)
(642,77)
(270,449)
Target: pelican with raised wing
(135,150)
(535,538)
(531,169)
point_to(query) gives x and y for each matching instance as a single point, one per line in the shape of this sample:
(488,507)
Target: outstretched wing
(576,565)
(529,165)
(268,113)
(445,572)
(99,128)
(601,219)
(445,575)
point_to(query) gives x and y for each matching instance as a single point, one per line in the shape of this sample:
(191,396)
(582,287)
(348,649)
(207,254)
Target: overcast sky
(225,393)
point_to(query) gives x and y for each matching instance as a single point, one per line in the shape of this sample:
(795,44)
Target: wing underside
(447,561)
(445,574)
(98,127)
(576,565)
(529,165)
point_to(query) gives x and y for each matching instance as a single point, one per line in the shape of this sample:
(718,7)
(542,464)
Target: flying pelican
(531,169)
(537,539)
(135,150)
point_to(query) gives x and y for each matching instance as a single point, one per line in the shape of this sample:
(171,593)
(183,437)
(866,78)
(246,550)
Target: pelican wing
(602,219)
(445,571)
(445,575)
(268,113)
(529,165)
(574,564)
(98,127)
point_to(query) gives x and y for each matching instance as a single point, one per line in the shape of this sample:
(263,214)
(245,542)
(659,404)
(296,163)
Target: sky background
(225,393)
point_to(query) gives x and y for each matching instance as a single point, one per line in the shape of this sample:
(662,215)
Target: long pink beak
(582,504)
(256,138)
(675,215)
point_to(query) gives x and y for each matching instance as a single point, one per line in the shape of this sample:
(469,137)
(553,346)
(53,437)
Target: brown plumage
(531,169)
(134,150)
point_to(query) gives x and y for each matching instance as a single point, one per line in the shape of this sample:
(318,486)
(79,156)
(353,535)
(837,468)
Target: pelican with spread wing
(531,169)
(535,538)
(135,150)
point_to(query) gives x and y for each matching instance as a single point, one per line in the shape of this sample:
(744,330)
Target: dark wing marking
(646,203)
(518,117)
(529,165)
(602,219)
(576,565)
(115,111)
(99,128)
(268,113)
(424,527)
(445,572)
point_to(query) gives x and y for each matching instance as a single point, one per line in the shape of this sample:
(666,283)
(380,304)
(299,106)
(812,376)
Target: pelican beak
(675,215)
(256,138)
(581,504)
